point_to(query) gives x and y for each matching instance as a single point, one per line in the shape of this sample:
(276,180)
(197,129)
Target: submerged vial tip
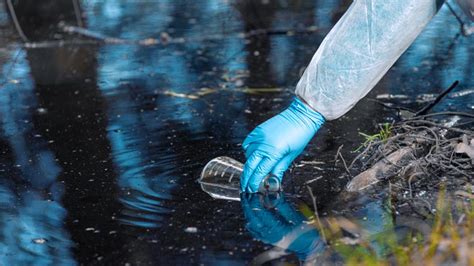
(270,183)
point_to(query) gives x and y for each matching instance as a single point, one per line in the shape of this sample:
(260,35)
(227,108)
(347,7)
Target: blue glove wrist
(299,106)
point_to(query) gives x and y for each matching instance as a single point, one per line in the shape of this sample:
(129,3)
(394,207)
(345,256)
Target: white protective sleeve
(359,50)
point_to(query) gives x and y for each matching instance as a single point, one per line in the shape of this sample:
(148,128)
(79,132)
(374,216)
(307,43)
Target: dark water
(99,151)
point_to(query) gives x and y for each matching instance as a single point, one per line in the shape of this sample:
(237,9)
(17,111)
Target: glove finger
(245,200)
(282,166)
(249,168)
(250,150)
(263,169)
(249,139)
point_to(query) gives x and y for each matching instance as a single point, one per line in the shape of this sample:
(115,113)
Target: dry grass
(449,241)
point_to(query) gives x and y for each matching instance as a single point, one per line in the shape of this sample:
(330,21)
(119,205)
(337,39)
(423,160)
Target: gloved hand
(273,145)
(281,226)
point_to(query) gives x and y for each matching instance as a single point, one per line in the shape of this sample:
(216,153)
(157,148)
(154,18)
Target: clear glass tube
(220,178)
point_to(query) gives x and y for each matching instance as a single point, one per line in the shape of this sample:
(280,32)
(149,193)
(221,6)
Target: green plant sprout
(383,135)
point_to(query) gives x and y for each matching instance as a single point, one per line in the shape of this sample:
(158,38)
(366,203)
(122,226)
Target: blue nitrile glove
(281,226)
(273,145)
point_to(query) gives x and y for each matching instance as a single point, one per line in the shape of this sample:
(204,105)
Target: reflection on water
(31,210)
(272,220)
(98,164)
(361,230)
(363,225)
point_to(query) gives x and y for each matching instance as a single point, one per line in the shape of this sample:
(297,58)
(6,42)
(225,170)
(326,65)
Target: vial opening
(271,183)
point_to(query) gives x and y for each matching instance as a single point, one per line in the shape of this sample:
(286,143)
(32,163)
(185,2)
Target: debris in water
(191,230)
(41,110)
(387,96)
(165,38)
(180,95)
(192,96)
(39,241)
(205,91)
(260,90)
(461,93)
(313,180)
(312,162)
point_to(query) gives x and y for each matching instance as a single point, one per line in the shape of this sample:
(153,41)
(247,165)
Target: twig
(94,35)
(442,113)
(166,39)
(387,105)
(456,16)
(16,22)
(440,126)
(360,155)
(338,154)
(77,12)
(313,198)
(313,180)
(60,43)
(428,107)
(269,255)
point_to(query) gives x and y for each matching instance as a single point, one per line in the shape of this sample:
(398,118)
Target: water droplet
(39,241)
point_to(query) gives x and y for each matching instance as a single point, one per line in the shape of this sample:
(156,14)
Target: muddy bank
(410,190)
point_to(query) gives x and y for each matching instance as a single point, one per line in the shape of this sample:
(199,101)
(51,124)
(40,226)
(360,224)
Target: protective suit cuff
(309,112)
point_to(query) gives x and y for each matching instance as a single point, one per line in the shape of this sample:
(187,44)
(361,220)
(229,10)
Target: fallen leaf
(181,95)
(466,147)
(464,194)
